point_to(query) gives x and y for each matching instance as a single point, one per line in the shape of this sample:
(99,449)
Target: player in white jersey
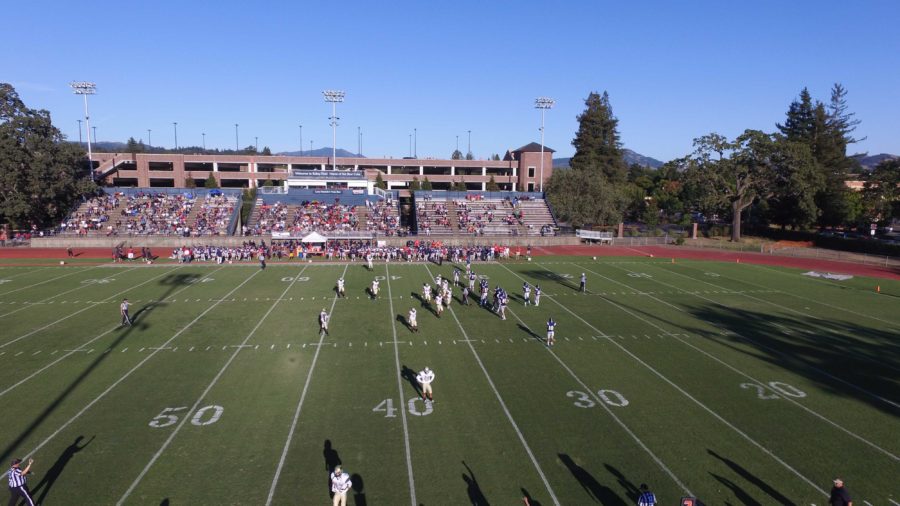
(374,289)
(537,295)
(369,261)
(551,332)
(323,321)
(437,280)
(503,302)
(448,296)
(472,282)
(340,287)
(439,305)
(526,293)
(445,284)
(413,324)
(426,292)
(455,276)
(425,378)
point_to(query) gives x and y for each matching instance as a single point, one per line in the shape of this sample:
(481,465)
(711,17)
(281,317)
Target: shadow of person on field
(740,494)
(603,495)
(473,489)
(164,502)
(359,497)
(402,320)
(527,496)
(750,477)
(331,456)
(43,487)
(530,332)
(424,304)
(410,376)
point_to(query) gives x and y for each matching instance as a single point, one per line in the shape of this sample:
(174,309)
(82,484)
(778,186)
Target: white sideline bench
(591,235)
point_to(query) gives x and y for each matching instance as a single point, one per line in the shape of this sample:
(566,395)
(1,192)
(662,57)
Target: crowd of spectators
(214,216)
(148,213)
(474,214)
(93,214)
(413,251)
(430,214)
(384,218)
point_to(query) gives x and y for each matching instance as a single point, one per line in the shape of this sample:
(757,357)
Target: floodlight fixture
(334,96)
(543,103)
(85,88)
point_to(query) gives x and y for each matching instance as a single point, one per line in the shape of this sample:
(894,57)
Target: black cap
(16,462)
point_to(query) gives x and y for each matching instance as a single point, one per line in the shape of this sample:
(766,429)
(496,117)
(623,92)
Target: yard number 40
(387,407)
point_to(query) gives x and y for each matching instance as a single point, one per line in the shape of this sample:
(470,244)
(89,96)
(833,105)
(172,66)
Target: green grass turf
(663,373)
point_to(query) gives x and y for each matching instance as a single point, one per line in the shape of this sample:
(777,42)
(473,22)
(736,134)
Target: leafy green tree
(492,185)
(495,157)
(730,175)
(650,215)
(426,184)
(415,184)
(457,155)
(133,146)
(470,156)
(582,197)
(881,192)
(597,144)
(266,151)
(41,175)
(189,182)
(459,186)
(379,182)
(796,181)
(800,124)
(211,182)
(247,202)
(250,150)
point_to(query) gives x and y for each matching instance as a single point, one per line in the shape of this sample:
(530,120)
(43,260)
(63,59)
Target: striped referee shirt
(16,478)
(647,499)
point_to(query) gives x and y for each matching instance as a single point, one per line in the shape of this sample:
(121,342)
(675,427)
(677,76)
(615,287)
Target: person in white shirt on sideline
(413,324)
(323,321)
(340,485)
(425,377)
(369,261)
(340,287)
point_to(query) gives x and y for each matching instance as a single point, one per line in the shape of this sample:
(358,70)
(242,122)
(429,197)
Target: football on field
(62,262)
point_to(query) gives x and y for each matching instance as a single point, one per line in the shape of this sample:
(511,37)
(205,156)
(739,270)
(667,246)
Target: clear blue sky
(674,70)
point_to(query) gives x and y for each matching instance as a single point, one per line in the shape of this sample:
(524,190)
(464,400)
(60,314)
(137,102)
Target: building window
(531,186)
(530,171)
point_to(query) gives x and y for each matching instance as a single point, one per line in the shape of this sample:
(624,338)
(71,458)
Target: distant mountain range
(630,158)
(869,162)
(321,152)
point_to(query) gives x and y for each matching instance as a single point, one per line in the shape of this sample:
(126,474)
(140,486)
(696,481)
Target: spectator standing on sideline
(17,487)
(340,484)
(839,494)
(583,282)
(262,260)
(425,377)
(123,308)
(646,498)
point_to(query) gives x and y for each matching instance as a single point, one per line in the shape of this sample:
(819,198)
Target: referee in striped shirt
(17,487)
(647,498)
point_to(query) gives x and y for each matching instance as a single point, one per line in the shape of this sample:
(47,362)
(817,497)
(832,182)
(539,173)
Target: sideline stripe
(682,391)
(82,345)
(203,395)
(127,374)
(52,279)
(606,408)
(290,436)
(751,378)
(512,421)
(91,306)
(409,470)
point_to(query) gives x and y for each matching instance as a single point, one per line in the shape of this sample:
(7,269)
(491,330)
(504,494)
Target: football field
(734,383)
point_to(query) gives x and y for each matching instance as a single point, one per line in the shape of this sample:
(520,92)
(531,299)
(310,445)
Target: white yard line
(780,353)
(129,373)
(606,408)
(82,345)
(409,469)
(203,395)
(91,306)
(20,273)
(807,278)
(736,370)
(681,390)
(50,280)
(509,416)
(290,436)
(79,287)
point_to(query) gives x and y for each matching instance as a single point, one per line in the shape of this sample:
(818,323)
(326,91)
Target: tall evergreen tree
(597,144)
(41,176)
(456,155)
(800,123)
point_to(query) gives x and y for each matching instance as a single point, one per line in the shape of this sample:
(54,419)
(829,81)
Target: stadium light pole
(301,140)
(95,134)
(80,142)
(149,143)
(470,143)
(204,140)
(415,143)
(358,140)
(410,145)
(85,88)
(334,96)
(310,147)
(457,143)
(256,144)
(175,124)
(236,142)
(543,103)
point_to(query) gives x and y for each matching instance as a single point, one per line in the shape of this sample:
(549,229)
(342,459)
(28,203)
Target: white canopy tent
(314,238)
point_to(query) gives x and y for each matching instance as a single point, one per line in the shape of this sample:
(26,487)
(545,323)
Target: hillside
(869,162)
(629,155)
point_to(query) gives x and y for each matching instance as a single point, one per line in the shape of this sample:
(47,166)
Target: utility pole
(543,103)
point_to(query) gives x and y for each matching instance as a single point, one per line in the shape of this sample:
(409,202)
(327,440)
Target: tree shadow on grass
(174,282)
